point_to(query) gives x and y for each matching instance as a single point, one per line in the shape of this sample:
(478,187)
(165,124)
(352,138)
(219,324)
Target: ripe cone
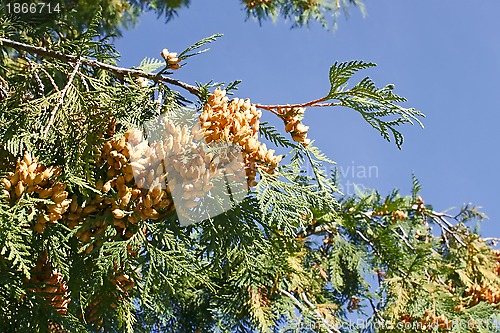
(6,184)
(118,213)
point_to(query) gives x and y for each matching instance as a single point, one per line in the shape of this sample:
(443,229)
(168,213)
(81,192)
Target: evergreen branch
(185,54)
(378,106)
(149,65)
(315,171)
(318,314)
(320,156)
(439,219)
(340,73)
(61,99)
(272,134)
(54,85)
(278,107)
(379,255)
(303,308)
(4,93)
(119,71)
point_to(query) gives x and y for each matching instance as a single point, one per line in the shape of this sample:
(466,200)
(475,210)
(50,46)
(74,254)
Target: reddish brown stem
(275,108)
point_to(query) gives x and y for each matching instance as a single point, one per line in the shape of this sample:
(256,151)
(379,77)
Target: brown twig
(440,219)
(41,86)
(492,239)
(61,99)
(328,326)
(375,310)
(4,90)
(82,79)
(276,108)
(121,71)
(54,85)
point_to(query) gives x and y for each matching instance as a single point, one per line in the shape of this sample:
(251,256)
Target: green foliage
(74,17)
(14,250)
(294,255)
(195,48)
(272,134)
(378,106)
(302,12)
(150,65)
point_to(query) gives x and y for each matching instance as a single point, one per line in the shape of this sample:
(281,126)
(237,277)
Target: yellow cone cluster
(237,121)
(293,125)
(175,158)
(137,172)
(50,285)
(139,177)
(37,180)
(180,159)
(399,215)
(171,59)
(131,203)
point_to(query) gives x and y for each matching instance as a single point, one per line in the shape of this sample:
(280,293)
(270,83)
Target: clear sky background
(444,56)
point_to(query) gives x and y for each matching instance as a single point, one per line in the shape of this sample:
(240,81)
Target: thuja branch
(438,217)
(120,71)
(311,306)
(159,77)
(494,240)
(61,99)
(318,314)
(278,108)
(380,256)
(4,91)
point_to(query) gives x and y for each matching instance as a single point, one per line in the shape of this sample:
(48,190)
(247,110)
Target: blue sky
(444,56)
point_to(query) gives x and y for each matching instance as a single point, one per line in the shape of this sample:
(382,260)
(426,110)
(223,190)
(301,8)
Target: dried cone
(56,328)
(50,285)
(171,59)
(293,124)
(123,283)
